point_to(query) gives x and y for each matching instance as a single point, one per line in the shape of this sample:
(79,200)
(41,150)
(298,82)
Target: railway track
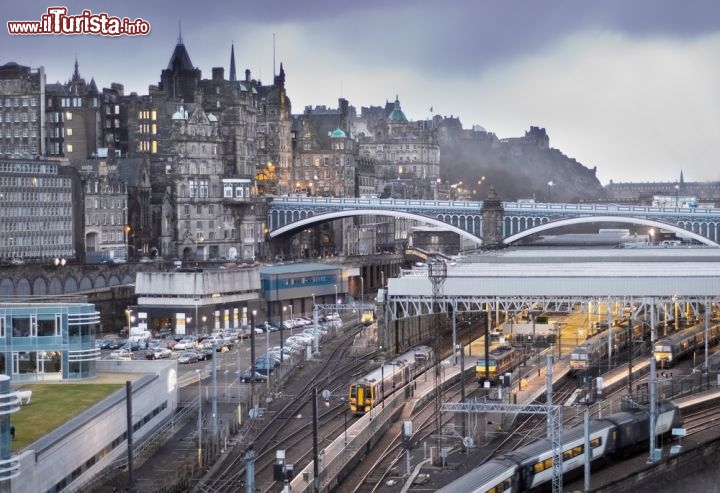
(287,422)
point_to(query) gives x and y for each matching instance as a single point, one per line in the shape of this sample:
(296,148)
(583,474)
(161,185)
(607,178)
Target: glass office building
(48,340)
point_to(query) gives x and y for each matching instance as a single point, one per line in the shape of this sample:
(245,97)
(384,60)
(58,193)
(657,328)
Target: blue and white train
(531,466)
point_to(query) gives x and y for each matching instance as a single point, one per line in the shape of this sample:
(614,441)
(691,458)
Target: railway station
(603,287)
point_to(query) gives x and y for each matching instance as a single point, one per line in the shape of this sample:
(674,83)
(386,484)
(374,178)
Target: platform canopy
(566,275)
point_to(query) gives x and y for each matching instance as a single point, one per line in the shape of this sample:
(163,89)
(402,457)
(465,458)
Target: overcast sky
(632,87)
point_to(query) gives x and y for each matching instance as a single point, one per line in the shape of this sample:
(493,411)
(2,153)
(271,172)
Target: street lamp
(128,313)
(199,423)
(292,320)
(252,358)
(197,320)
(337,301)
(677,191)
(362,290)
(282,349)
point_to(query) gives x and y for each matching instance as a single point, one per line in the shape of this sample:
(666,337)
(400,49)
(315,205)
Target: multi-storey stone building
(274,138)
(193,225)
(22,110)
(38,220)
(73,118)
(325,154)
(404,150)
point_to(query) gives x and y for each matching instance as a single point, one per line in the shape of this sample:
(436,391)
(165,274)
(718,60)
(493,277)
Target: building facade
(39,219)
(22,110)
(49,340)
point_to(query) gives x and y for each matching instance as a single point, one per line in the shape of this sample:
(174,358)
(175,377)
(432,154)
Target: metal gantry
(437,273)
(553,413)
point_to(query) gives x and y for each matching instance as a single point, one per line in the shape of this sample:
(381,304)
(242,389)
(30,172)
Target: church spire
(180,40)
(233,74)
(76,73)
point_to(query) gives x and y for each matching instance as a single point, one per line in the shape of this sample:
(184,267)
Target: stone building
(22,110)
(274,138)
(402,150)
(38,219)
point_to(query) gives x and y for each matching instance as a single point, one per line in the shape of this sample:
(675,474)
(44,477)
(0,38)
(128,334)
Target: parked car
(157,351)
(247,376)
(121,354)
(202,353)
(184,343)
(132,346)
(103,343)
(188,356)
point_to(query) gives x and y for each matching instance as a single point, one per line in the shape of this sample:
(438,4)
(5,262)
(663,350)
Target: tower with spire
(180,79)
(233,73)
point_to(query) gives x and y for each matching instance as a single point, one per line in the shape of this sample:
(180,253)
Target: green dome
(396,115)
(337,134)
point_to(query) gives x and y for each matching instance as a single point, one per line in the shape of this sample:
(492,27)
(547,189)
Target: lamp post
(199,423)
(128,313)
(252,358)
(677,198)
(362,294)
(292,320)
(313,304)
(382,279)
(337,301)
(550,185)
(197,320)
(282,352)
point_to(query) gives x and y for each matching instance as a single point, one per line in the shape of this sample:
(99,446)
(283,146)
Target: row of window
(104,220)
(147,146)
(41,241)
(104,187)
(227,234)
(146,115)
(106,202)
(116,442)
(35,197)
(19,133)
(238,190)
(32,325)
(29,226)
(40,211)
(567,455)
(21,101)
(16,117)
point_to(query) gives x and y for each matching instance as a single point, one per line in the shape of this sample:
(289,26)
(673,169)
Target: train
(370,390)
(674,347)
(500,360)
(531,466)
(590,353)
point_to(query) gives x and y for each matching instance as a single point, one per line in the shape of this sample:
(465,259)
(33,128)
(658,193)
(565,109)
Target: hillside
(518,168)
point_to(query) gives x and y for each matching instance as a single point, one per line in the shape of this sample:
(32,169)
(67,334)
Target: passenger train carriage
(531,466)
(670,349)
(502,359)
(590,353)
(368,391)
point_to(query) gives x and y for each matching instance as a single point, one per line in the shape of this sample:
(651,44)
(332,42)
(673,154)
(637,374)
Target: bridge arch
(612,219)
(330,216)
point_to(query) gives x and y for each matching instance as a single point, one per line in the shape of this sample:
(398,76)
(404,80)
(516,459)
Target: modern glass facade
(48,341)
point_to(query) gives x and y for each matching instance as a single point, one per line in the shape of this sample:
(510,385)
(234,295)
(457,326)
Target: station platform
(339,455)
